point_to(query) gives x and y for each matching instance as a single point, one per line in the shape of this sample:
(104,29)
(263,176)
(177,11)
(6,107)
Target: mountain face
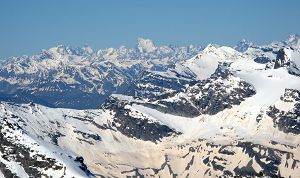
(80,78)
(221,112)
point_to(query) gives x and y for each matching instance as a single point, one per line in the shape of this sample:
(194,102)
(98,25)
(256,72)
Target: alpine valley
(152,111)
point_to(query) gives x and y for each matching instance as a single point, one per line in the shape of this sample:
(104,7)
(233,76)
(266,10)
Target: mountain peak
(68,50)
(210,47)
(293,40)
(60,50)
(243,45)
(145,45)
(293,37)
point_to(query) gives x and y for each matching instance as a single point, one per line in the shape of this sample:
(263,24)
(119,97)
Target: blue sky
(28,26)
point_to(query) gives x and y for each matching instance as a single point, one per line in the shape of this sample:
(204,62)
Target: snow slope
(205,63)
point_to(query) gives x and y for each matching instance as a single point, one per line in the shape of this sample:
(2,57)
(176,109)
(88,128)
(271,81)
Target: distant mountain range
(81,78)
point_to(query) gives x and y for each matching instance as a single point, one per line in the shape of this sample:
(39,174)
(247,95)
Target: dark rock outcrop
(288,122)
(135,127)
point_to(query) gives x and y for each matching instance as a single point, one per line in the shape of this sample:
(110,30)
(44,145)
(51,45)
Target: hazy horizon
(27,27)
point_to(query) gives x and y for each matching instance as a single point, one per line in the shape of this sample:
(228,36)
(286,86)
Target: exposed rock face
(281,59)
(155,85)
(289,58)
(287,121)
(251,161)
(262,60)
(133,127)
(24,159)
(209,96)
(294,69)
(215,95)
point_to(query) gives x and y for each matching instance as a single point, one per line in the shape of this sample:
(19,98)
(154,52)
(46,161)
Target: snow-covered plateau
(152,111)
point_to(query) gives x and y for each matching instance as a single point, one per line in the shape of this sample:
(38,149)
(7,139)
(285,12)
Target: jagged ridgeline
(152,111)
(81,78)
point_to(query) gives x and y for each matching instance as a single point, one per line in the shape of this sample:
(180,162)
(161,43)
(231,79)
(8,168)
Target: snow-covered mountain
(222,112)
(81,78)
